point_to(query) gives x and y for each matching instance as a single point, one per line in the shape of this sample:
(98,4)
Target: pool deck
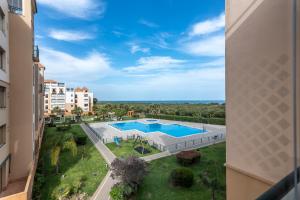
(215,133)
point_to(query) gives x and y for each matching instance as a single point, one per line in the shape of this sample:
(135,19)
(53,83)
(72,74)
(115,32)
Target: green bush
(183,177)
(80,139)
(117,192)
(51,124)
(63,191)
(188,157)
(63,127)
(218,121)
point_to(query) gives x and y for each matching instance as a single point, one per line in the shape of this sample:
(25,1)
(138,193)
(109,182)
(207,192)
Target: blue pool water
(174,130)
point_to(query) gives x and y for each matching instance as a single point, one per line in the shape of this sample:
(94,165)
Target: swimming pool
(174,130)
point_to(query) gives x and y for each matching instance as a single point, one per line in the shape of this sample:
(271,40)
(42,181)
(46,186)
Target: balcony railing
(36,54)
(283,190)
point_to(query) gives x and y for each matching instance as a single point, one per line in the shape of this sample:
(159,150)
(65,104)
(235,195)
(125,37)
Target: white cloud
(208,26)
(204,38)
(68,68)
(148,23)
(207,46)
(134,48)
(154,63)
(84,9)
(69,35)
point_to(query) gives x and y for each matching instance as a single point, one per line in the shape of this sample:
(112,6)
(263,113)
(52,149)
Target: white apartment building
(79,97)
(84,99)
(70,100)
(55,96)
(67,99)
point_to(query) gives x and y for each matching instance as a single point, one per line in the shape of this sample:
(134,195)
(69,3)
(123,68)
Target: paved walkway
(156,156)
(102,148)
(102,193)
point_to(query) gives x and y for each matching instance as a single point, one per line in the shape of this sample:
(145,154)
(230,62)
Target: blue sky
(135,49)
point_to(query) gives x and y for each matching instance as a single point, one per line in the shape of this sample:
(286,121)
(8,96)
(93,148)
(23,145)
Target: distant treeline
(218,121)
(212,113)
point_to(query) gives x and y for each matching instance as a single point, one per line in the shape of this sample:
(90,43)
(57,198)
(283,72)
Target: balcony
(15,6)
(284,189)
(36,54)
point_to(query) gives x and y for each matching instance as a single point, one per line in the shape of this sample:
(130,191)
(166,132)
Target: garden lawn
(126,149)
(87,166)
(156,185)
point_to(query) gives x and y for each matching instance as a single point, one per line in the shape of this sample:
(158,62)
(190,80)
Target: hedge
(218,121)
(183,177)
(188,157)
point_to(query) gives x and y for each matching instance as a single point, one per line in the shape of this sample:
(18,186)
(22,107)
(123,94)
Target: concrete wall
(258,95)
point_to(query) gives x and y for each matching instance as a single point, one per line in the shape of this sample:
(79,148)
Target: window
(46,95)
(46,101)
(4,169)
(15,6)
(72,106)
(41,88)
(2,20)
(86,105)
(53,91)
(2,135)
(86,95)
(47,107)
(2,97)
(2,59)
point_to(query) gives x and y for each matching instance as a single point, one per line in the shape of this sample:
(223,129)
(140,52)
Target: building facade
(21,99)
(55,96)
(259,95)
(84,99)
(67,99)
(70,100)
(4,90)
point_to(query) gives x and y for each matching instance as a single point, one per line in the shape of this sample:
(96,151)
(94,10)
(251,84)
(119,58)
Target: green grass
(126,149)
(87,165)
(156,185)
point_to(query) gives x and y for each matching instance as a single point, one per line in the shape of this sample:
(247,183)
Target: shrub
(183,177)
(117,192)
(63,127)
(80,139)
(51,124)
(188,157)
(131,171)
(62,191)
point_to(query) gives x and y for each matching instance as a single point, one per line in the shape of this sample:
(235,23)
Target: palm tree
(101,112)
(155,109)
(59,143)
(77,111)
(211,183)
(57,111)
